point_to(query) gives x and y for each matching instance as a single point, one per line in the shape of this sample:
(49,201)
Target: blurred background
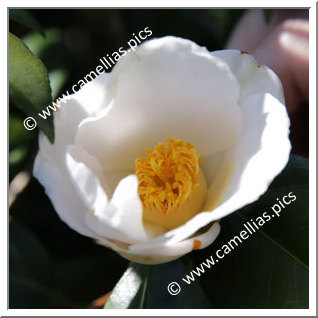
(51,265)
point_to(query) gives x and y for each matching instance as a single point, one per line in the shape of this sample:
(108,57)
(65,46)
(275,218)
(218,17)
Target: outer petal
(169,87)
(63,196)
(50,164)
(88,102)
(168,252)
(259,157)
(84,181)
(252,78)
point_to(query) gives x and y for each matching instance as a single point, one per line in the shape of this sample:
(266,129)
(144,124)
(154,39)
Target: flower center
(171,185)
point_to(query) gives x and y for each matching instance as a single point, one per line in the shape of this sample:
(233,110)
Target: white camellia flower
(149,157)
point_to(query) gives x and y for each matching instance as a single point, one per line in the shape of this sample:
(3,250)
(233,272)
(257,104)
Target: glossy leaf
(52,51)
(32,274)
(189,297)
(270,268)
(29,85)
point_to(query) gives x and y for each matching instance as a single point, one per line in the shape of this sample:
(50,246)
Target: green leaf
(270,268)
(190,297)
(52,51)
(138,289)
(29,85)
(31,276)
(98,272)
(25,18)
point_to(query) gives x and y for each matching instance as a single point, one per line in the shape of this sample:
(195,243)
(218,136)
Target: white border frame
(312,162)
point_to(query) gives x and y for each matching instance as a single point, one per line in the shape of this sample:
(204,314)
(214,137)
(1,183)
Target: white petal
(261,153)
(50,163)
(168,252)
(94,96)
(252,78)
(121,219)
(211,165)
(66,122)
(63,196)
(72,112)
(169,87)
(84,181)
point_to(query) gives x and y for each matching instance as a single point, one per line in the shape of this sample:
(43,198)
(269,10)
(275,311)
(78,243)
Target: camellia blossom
(149,157)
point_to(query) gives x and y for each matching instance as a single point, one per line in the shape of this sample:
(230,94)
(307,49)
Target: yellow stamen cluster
(168,176)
